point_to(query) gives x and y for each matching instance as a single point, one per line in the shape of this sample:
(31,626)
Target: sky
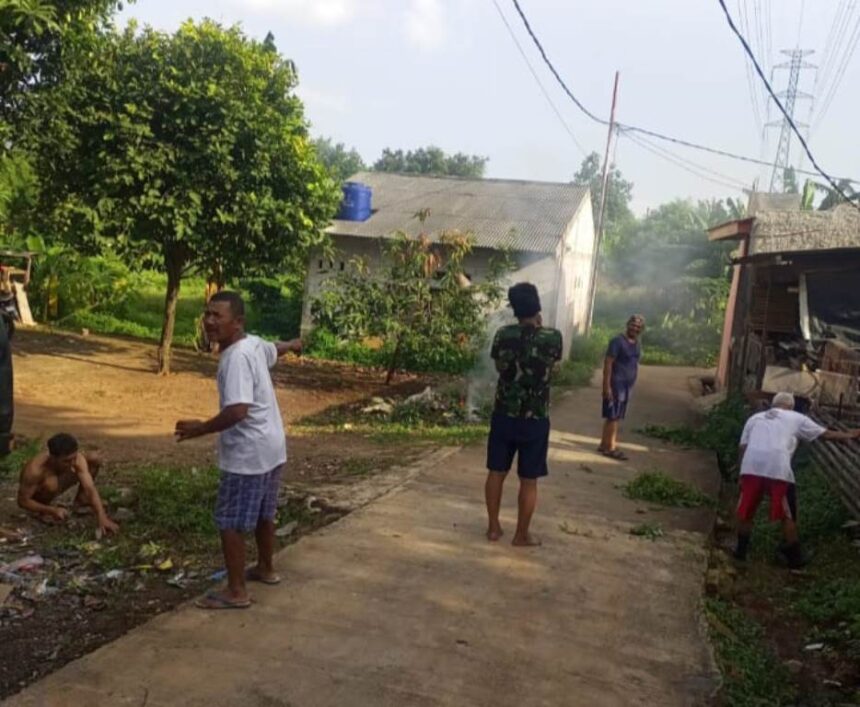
(408,73)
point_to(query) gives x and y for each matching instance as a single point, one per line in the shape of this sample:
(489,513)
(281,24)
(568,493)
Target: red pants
(753,489)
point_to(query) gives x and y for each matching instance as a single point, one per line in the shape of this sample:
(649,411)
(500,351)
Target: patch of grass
(658,487)
(752,675)
(177,502)
(685,437)
(11,464)
(573,374)
(450,435)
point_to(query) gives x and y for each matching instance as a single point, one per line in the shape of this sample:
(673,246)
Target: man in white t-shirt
(252,446)
(768,443)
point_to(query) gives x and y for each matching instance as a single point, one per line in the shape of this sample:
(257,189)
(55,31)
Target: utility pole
(601,213)
(789,98)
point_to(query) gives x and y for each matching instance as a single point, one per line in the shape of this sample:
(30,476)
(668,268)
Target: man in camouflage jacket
(525,354)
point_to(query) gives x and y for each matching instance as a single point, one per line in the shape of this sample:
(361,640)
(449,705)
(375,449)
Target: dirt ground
(105,391)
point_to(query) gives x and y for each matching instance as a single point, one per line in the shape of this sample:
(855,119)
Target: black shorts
(528,438)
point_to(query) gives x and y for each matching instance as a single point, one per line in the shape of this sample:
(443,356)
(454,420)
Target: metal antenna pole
(601,214)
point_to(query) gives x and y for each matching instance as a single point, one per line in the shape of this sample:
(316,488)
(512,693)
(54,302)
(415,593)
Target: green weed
(177,502)
(752,675)
(657,487)
(11,464)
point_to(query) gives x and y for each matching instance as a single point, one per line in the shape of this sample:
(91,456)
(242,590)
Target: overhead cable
(537,79)
(779,105)
(644,131)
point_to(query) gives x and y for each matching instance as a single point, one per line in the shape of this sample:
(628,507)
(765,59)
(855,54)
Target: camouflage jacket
(524,357)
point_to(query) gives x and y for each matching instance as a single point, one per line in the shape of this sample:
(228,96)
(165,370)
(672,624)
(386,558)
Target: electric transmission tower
(789,97)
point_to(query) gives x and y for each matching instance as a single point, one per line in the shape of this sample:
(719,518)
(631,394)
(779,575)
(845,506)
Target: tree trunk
(392,365)
(174,280)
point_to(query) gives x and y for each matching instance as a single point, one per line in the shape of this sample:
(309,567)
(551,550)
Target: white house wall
(575,267)
(540,269)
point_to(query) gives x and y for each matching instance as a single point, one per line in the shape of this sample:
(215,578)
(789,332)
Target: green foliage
(19,191)
(658,487)
(11,464)
(619,194)
(416,305)
(753,676)
(431,161)
(721,432)
(340,161)
(176,501)
(274,306)
(186,151)
(33,37)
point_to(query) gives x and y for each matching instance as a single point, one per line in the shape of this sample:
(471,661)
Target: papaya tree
(179,152)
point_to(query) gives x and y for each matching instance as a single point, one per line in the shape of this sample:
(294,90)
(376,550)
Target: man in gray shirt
(252,446)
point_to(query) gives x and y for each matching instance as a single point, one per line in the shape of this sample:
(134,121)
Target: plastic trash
(287,530)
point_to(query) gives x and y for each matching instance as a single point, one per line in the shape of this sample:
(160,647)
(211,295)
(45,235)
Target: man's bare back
(53,472)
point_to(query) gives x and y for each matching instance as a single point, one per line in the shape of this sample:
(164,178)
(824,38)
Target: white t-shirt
(771,439)
(257,444)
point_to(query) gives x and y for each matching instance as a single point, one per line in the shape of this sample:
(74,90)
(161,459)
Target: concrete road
(404,602)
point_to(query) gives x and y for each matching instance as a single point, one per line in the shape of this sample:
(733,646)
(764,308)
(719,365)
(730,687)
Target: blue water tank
(356,204)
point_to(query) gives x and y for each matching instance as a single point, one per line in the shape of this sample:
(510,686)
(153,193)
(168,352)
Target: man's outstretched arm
(838,436)
(88,486)
(229,416)
(291,346)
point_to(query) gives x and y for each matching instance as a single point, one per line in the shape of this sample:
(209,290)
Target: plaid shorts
(245,499)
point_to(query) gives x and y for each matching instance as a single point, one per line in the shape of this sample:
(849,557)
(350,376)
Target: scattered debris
(832,683)
(586,468)
(218,575)
(287,530)
(179,580)
(426,396)
(814,647)
(378,406)
(165,565)
(114,575)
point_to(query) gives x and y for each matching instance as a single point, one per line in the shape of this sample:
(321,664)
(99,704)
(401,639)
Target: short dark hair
(234,299)
(61,445)
(524,300)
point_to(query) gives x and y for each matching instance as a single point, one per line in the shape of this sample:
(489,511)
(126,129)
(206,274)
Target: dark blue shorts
(246,499)
(525,437)
(616,408)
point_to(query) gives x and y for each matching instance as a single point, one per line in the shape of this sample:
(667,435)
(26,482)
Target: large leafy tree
(33,34)
(431,161)
(341,161)
(619,194)
(187,151)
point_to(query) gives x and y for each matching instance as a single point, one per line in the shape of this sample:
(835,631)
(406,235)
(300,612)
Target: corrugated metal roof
(526,216)
(805,231)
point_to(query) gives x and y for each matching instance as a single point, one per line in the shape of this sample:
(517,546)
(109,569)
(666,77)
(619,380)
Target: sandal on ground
(253,576)
(213,600)
(616,454)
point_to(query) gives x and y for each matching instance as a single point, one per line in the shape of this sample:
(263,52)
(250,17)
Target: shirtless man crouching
(53,472)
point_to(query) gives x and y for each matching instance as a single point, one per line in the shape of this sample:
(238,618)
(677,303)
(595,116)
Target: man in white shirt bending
(767,444)
(252,447)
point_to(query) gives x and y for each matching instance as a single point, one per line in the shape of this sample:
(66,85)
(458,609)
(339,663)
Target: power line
(696,170)
(645,131)
(779,105)
(851,47)
(537,79)
(837,50)
(555,73)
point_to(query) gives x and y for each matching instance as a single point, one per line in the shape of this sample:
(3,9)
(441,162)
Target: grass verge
(658,487)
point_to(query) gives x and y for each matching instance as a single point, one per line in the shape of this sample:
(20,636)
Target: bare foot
(528,541)
(493,534)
